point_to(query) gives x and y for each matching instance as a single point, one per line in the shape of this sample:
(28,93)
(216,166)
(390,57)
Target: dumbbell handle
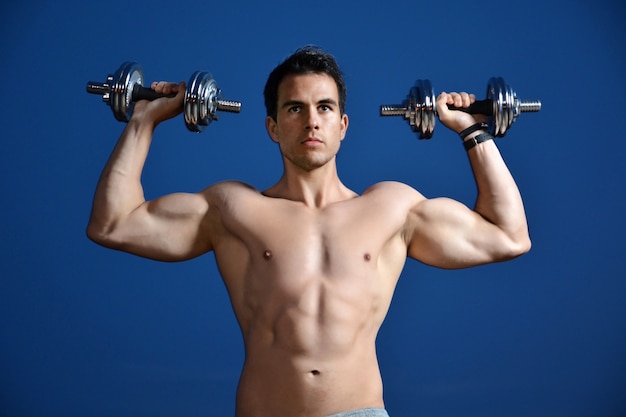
(486,107)
(139,92)
(478,107)
(145,93)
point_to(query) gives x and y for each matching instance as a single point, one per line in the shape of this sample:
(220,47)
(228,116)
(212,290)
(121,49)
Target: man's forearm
(119,189)
(499,200)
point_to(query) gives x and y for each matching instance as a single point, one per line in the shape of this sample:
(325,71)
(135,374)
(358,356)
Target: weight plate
(509,106)
(200,101)
(496,93)
(128,75)
(428,110)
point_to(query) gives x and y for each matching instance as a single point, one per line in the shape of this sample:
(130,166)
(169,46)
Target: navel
(315,372)
(267,255)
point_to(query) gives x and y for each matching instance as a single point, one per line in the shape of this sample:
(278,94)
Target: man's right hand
(454,119)
(162,109)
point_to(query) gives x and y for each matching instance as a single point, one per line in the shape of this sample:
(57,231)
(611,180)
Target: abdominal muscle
(312,354)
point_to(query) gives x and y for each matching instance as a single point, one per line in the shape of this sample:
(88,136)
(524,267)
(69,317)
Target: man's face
(309,126)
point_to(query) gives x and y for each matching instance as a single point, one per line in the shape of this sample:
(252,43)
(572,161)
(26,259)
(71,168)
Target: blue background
(87,331)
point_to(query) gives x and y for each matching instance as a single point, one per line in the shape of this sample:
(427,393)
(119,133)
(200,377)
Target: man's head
(306,60)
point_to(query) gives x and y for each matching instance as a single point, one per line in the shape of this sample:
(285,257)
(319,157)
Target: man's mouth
(312,140)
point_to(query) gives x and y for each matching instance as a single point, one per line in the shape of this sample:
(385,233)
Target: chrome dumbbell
(124,88)
(501,105)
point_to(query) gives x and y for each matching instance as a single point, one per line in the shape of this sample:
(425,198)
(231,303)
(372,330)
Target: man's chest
(318,238)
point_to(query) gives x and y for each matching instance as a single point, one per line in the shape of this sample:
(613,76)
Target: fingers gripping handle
(478,107)
(144,93)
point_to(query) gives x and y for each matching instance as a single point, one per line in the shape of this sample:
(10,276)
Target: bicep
(448,234)
(171,228)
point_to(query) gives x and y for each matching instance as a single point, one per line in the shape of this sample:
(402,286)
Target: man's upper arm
(174,227)
(447,234)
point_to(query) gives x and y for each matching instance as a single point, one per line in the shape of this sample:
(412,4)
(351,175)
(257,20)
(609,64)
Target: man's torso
(310,288)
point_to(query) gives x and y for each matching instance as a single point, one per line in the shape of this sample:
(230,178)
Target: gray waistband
(363,412)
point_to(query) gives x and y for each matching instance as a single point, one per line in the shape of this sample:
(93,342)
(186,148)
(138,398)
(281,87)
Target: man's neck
(316,188)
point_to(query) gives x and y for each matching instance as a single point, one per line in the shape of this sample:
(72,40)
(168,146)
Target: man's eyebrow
(327,101)
(289,103)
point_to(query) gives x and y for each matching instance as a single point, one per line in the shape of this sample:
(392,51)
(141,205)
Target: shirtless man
(310,266)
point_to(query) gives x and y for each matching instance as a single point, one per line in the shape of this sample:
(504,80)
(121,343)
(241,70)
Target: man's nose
(312,121)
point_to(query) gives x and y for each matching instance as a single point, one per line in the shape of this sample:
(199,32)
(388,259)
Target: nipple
(267,255)
(367,257)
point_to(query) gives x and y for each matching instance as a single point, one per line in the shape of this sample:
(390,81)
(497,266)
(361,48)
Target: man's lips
(312,141)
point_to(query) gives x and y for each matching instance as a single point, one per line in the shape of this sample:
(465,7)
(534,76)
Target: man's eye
(325,108)
(294,109)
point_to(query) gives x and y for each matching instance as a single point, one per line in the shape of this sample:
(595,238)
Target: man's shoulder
(392,196)
(391,187)
(226,195)
(231,188)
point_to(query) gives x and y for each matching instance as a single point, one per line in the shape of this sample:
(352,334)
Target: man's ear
(272,128)
(344,128)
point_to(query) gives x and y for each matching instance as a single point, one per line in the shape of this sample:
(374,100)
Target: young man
(310,266)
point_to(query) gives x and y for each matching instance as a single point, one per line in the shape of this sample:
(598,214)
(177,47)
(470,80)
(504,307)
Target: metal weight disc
(200,101)
(509,107)
(128,75)
(495,97)
(428,110)
(503,99)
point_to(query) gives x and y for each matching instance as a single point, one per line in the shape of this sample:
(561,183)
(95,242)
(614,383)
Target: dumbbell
(124,88)
(501,105)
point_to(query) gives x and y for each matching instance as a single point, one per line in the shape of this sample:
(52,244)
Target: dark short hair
(306,60)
